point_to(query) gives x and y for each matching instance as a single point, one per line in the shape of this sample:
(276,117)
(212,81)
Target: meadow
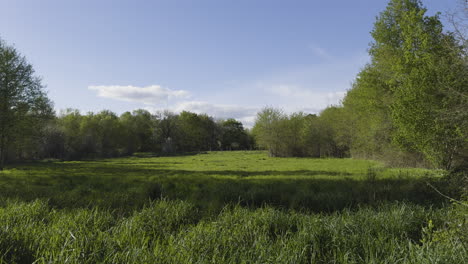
(227,207)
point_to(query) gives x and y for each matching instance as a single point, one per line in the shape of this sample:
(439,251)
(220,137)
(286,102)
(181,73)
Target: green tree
(167,132)
(52,141)
(280,134)
(233,135)
(293,128)
(139,129)
(367,112)
(268,130)
(423,63)
(69,122)
(196,132)
(334,132)
(191,131)
(23,102)
(110,133)
(211,132)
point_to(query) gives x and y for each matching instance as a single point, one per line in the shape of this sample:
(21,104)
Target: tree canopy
(23,103)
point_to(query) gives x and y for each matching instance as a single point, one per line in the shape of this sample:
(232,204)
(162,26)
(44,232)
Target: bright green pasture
(214,179)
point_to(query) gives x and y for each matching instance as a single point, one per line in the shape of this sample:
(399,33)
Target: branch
(445,196)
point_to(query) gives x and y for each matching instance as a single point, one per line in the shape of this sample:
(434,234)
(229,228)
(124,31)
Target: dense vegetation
(143,188)
(73,136)
(30,130)
(227,207)
(408,106)
(173,232)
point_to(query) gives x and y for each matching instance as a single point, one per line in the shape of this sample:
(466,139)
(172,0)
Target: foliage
(300,135)
(233,135)
(24,106)
(269,130)
(367,109)
(423,63)
(406,107)
(73,135)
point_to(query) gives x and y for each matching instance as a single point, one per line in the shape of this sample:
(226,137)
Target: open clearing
(215,179)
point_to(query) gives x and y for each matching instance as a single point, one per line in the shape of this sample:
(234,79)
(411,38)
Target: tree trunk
(1,160)
(2,151)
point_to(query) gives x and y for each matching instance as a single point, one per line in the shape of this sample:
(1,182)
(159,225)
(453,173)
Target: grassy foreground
(226,207)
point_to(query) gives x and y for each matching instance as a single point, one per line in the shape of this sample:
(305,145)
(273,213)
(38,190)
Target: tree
(52,141)
(110,133)
(233,135)
(281,134)
(191,132)
(23,102)
(139,130)
(367,110)
(197,132)
(292,137)
(69,122)
(458,108)
(422,66)
(268,130)
(313,136)
(335,132)
(167,132)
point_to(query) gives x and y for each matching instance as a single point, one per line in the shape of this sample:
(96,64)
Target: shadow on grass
(316,195)
(125,190)
(15,249)
(122,169)
(122,187)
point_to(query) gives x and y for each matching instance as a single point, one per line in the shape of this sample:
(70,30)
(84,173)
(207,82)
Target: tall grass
(174,232)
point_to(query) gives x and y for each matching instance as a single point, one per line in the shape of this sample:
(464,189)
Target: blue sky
(225,58)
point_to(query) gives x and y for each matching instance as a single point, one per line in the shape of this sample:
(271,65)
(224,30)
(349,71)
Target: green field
(226,207)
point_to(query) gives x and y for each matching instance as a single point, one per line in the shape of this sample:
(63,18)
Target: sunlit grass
(212,180)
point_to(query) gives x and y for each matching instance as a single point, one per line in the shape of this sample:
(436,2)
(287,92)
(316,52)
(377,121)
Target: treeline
(301,134)
(72,135)
(30,129)
(408,106)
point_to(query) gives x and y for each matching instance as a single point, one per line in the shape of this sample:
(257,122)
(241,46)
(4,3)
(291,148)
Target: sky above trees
(223,58)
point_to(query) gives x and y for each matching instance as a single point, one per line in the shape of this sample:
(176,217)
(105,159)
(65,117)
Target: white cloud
(150,95)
